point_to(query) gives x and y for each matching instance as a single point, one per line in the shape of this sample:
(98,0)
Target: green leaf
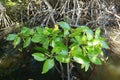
(89,34)
(56,50)
(36,38)
(97,33)
(46,43)
(87,66)
(39,30)
(81,59)
(95,60)
(31,32)
(66,32)
(10,3)
(16,41)
(11,37)
(64,52)
(93,42)
(75,32)
(47,31)
(96,42)
(24,30)
(104,44)
(79,39)
(84,38)
(53,43)
(48,64)
(88,31)
(64,25)
(42,50)
(27,42)
(39,56)
(60,48)
(63,58)
(76,51)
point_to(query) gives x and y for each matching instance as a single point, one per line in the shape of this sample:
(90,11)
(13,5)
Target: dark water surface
(109,70)
(31,72)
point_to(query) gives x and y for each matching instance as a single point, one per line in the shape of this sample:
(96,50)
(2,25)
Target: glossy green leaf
(16,41)
(39,56)
(59,50)
(66,32)
(63,58)
(48,64)
(75,51)
(95,60)
(82,66)
(96,42)
(46,43)
(11,37)
(81,59)
(104,44)
(61,44)
(76,32)
(46,32)
(84,38)
(93,42)
(39,30)
(88,32)
(89,36)
(24,30)
(87,66)
(50,30)
(64,25)
(58,39)
(31,31)
(56,50)
(36,38)
(27,42)
(79,39)
(53,43)
(97,33)
(64,52)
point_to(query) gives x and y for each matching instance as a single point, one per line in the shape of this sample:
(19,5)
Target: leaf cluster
(63,43)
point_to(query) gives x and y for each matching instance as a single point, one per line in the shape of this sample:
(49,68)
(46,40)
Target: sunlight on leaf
(104,44)
(39,56)
(95,60)
(97,33)
(64,25)
(48,64)
(27,42)
(11,37)
(36,38)
(63,58)
(16,41)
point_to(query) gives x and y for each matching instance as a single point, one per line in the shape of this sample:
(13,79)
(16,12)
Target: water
(109,70)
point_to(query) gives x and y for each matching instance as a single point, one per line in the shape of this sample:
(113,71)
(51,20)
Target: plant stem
(68,71)
(62,71)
